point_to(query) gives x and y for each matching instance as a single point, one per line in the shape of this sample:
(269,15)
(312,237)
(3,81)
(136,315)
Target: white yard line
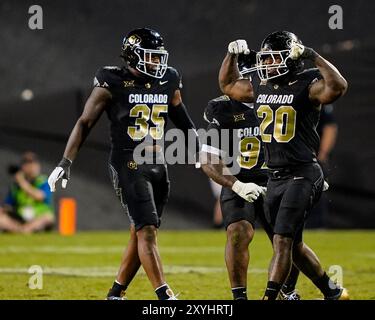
(111,271)
(101,250)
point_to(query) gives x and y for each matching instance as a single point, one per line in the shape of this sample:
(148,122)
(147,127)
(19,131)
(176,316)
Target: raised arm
(332,86)
(94,107)
(230,81)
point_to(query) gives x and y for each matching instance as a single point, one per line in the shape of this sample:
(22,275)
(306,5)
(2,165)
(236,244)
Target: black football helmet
(247,63)
(143,50)
(273,60)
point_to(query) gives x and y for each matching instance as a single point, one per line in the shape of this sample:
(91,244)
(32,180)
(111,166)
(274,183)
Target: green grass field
(84,266)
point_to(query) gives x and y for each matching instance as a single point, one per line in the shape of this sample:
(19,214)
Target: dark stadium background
(58,64)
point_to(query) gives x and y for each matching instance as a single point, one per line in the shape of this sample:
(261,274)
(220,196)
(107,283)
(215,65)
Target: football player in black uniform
(137,98)
(226,115)
(287,101)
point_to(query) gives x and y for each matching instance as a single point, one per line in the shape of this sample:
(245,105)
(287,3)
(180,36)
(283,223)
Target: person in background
(28,205)
(327,129)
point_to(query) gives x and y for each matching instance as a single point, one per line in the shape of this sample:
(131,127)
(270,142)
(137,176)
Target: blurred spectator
(218,216)
(28,205)
(327,130)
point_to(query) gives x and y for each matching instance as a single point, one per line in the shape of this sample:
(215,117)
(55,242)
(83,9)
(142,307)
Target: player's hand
(249,191)
(298,50)
(325,186)
(238,47)
(264,191)
(61,171)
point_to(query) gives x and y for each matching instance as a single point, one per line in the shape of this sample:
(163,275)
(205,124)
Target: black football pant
(291,192)
(143,189)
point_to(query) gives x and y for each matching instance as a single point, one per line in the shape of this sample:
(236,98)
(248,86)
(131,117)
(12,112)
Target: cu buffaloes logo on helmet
(134,39)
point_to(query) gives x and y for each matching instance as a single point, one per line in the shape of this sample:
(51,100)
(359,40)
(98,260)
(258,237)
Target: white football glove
(325,186)
(296,50)
(238,46)
(248,191)
(61,171)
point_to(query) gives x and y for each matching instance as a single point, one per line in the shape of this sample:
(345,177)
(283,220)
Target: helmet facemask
(272,64)
(143,50)
(145,62)
(246,72)
(246,64)
(273,61)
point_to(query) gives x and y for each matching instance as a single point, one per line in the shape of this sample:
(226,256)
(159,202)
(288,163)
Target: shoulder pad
(310,75)
(111,68)
(211,113)
(221,98)
(105,76)
(172,71)
(174,76)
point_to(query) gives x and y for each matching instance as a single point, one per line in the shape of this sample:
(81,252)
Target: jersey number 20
(284,127)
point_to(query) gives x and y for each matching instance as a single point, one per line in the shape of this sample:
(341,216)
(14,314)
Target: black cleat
(292,295)
(342,295)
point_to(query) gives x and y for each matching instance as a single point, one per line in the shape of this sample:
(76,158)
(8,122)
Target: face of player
(269,60)
(31,169)
(152,62)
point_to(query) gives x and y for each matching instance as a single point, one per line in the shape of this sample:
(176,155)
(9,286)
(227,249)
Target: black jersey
(139,106)
(246,149)
(288,120)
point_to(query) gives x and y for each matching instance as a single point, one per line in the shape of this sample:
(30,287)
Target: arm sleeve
(181,119)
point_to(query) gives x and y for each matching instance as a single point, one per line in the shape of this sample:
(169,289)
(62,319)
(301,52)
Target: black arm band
(309,53)
(65,163)
(181,119)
